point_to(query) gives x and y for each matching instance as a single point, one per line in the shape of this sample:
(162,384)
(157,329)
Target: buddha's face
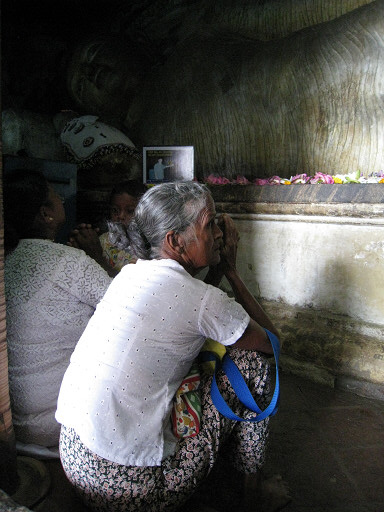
(103,76)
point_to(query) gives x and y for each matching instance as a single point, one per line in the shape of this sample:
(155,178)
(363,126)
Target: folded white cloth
(37,451)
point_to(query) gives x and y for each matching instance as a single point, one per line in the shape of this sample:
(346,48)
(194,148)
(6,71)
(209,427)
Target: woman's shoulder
(42,255)
(68,251)
(165,267)
(28,248)
(57,251)
(61,256)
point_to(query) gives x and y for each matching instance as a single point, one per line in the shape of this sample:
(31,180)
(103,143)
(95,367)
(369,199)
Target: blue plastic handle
(240,387)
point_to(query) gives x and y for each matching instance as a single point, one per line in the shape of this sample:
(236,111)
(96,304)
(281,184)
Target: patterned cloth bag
(186,410)
(187,407)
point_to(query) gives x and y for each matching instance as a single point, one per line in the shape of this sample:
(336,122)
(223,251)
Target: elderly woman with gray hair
(117,446)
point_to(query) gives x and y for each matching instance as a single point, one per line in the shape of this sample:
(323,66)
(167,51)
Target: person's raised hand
(230,243)
(85,237)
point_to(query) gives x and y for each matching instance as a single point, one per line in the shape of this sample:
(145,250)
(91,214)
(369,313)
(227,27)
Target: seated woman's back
(50,296)
(51,292)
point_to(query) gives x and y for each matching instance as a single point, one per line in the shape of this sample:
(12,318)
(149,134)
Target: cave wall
(259,88)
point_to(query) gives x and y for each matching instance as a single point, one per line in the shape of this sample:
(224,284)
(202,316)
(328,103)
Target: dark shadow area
(327,444)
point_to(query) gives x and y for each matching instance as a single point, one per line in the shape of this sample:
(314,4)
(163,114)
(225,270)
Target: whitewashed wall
(334,263)
(318,269)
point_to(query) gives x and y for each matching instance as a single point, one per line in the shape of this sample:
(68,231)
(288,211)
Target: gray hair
(166,207)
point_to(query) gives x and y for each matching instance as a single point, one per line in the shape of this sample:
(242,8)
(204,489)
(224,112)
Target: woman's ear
(174,242)
(45,214)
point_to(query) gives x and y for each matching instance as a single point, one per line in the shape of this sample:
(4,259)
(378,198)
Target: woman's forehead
(208,209)
(210,204)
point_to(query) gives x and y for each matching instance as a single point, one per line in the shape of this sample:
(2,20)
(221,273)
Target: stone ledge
(360,387)
(313,373)
(328,347)
(369,193)
(361,210)
(307,370)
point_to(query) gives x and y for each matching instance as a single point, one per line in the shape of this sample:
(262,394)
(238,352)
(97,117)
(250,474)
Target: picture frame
(168,163)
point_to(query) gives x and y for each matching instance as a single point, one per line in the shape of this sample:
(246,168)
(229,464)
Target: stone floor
(327,444)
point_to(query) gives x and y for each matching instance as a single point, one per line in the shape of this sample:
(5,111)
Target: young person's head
(123,200)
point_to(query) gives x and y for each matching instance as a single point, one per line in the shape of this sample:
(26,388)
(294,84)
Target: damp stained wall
(314,255)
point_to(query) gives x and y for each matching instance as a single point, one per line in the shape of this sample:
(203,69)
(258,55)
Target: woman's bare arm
(254,337)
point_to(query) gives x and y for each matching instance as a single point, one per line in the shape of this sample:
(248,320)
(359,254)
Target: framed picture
(167,163)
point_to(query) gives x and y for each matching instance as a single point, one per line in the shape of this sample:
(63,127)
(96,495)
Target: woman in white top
(117,447)
(51,292)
